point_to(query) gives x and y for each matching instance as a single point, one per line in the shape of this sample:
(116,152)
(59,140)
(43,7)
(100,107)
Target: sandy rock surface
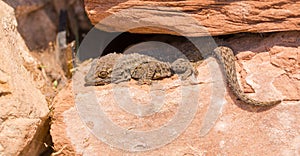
(268,68)
(23,107)
(186,17)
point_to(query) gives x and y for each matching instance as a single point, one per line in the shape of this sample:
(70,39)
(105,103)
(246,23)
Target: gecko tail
(251,101)
(227,60)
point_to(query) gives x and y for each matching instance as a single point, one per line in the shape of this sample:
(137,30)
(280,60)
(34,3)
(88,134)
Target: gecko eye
(103,74)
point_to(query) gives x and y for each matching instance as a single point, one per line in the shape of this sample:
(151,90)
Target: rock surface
(35,16)
(24,7)
(268,67)
(24,109)
(186,17)
(39,20)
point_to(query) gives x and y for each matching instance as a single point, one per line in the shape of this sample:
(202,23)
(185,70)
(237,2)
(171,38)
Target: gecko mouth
(95,81)
(90,84)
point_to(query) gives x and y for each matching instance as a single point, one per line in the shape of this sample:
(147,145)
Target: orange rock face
(268,67)
(218,17)
(23,108)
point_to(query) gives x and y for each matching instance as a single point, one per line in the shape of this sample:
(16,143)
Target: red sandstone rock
(219,17)
(240,129)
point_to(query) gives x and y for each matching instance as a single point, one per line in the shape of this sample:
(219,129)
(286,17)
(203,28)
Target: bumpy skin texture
(227,60)
(146,72)
(183,68)
(101,69)
(116,68)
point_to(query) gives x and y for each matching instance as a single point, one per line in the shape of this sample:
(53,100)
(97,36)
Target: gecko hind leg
(182,68)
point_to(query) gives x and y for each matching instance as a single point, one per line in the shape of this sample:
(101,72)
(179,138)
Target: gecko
(116,68)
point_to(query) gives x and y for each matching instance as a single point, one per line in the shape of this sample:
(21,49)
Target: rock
(39,35)
(4,88)
(3,77)
(24,7)
(287,58)
(187,17)
(80,112)
(39,14)
(24,109)
(38,20)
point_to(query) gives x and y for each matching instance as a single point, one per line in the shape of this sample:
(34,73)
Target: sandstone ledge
(219,17)
(267,66)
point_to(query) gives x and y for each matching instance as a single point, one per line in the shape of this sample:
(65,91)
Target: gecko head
(99,74)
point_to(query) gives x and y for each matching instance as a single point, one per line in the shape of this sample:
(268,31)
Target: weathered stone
(39,35)
(249,128)
(219,17)
(36,22)
(3,77)
(24,7)
(23,107)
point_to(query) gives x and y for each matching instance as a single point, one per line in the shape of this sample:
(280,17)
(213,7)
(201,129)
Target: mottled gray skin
(101,69)
(227,60)
(116,68)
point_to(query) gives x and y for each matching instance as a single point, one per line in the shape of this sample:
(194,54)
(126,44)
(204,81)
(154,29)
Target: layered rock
(267,66)
(187,17)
